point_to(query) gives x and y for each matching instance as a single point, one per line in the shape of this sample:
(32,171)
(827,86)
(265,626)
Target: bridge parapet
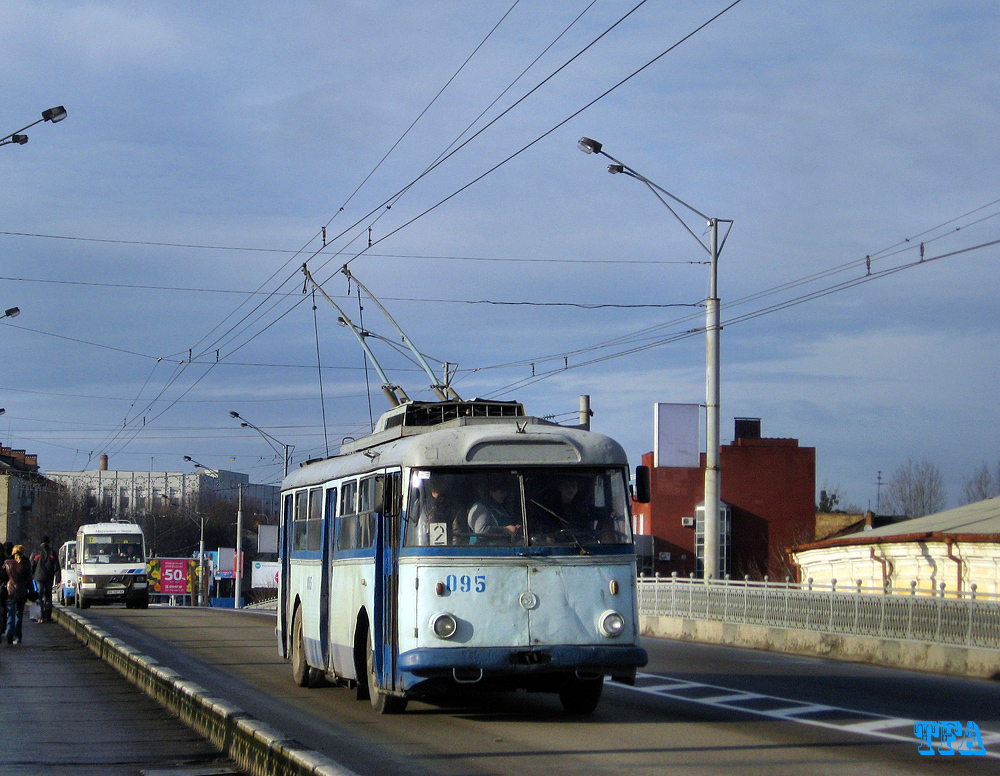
(949,632)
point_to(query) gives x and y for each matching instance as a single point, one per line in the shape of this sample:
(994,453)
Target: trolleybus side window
(347,522)
(307,522)
(314,531)
(366,512)
(299,520)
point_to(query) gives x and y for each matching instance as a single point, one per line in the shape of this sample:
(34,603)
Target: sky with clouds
(153,240)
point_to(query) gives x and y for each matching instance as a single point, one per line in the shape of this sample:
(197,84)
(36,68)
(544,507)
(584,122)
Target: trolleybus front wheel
(300,668)
(581,696)
(382,702)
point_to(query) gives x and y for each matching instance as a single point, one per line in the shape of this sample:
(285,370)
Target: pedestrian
(5,549)
(45,572)
(18,569)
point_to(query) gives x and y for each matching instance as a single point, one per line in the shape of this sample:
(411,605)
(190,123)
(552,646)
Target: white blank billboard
(675,435)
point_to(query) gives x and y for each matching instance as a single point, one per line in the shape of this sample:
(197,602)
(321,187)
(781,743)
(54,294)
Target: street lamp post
(238,566)
(712,361)
(286,449)
(201,541)
(55,115)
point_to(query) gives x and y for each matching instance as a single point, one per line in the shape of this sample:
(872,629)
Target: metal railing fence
(969,619)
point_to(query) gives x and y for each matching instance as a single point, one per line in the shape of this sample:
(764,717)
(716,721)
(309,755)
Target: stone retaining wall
(970,662)
(256,747)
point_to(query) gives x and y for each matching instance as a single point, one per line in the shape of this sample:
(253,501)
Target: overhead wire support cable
(212,346)
(557,126)
(389,201)
(324,227)
(842,286)
(414,123)
(448,152)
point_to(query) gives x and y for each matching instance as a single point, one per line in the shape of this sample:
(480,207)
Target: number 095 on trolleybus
(461,544)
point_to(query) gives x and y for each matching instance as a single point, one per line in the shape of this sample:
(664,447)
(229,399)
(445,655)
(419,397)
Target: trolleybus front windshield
(507,507)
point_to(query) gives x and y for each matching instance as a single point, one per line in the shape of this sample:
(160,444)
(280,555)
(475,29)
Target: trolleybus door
(385,630)
(284,550)
(326,572)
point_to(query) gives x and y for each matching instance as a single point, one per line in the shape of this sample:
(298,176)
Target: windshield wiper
(566,526)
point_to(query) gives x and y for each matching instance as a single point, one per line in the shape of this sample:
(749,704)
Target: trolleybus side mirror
(642,484)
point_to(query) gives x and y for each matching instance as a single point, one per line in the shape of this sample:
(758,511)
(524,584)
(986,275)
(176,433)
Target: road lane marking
(807,708)
(789,709)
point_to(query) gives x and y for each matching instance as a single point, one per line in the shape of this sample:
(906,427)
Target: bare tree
(915,489)
(981,484)
(829,499)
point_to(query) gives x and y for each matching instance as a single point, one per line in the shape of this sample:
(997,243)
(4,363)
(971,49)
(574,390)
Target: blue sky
(207,143)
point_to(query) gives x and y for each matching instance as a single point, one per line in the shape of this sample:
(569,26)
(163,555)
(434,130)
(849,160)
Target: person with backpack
(45,572)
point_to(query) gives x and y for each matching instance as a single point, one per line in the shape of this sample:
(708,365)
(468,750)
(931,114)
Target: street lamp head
(244,424)
(55,115)
(12,312)
(614,169)
(19,139)
(2,410)
(234,414)
(589,146)
(187,458)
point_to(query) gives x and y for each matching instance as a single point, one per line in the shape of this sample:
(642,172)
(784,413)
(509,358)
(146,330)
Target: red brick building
(769,486)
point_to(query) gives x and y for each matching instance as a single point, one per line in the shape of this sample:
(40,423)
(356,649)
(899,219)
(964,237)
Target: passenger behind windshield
(436,512)
(113,552)
(575,508)
(497,512)
(569,507)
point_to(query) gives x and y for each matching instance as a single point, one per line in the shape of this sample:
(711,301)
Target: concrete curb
(969,662)
(256,747)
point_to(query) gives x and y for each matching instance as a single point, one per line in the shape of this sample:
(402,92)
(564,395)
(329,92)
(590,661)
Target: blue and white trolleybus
(463,543)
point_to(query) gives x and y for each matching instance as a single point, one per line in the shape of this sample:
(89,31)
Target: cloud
(827,132)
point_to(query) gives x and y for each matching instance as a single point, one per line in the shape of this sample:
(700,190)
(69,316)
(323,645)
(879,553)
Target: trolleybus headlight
(611,624)
(444,625)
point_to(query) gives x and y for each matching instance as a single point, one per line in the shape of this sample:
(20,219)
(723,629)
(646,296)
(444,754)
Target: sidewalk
(64,712)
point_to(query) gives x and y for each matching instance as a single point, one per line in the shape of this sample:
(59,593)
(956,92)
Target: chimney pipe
(585,412)
(104,462)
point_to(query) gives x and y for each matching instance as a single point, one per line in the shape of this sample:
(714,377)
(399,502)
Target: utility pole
(712,328)
(712,496)
(238,571)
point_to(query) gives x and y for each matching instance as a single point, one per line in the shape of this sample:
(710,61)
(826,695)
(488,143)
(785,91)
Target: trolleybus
(466,544)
